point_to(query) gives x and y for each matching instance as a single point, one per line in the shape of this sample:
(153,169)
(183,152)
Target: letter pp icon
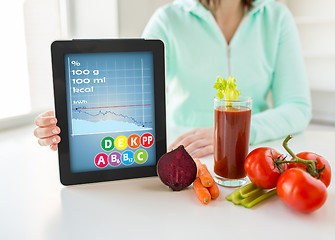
(147,140)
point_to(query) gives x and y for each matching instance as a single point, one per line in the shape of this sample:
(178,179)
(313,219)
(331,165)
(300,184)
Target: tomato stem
(309,163)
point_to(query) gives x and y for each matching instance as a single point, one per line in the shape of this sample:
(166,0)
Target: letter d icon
(107,143)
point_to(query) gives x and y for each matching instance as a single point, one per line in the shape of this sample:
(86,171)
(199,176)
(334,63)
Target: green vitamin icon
(107,143)
(141,156)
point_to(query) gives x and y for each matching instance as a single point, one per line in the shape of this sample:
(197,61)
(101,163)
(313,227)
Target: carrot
(198,163)
(214,191)
(203,173)
(201,191)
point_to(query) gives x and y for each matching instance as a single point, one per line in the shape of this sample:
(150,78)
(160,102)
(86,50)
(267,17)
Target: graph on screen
(110,92)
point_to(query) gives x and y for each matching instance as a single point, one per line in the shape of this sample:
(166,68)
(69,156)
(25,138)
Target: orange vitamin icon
(134,141)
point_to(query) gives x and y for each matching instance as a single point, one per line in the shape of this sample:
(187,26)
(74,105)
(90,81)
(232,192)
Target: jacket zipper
(228,45)
(228,60)
(245,18)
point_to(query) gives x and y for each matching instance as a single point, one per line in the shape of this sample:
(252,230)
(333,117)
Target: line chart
(103,113)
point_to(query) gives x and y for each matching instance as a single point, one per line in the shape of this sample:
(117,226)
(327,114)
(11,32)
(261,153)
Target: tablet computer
(110,105)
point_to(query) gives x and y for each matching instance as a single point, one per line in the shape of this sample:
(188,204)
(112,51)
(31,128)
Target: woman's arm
(290,91)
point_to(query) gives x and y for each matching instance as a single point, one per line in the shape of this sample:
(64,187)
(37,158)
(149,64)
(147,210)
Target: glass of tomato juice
(231,140)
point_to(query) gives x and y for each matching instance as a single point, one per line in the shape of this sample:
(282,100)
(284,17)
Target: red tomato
(300,191)
(325,175)
(261,169)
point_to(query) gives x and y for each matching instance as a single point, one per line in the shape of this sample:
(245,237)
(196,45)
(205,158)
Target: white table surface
(34,205)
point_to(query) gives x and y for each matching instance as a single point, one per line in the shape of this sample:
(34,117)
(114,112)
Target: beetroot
(177,169)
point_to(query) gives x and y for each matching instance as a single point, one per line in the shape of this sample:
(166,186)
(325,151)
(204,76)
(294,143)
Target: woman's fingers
(198,142)
(188,140)
(46,119)
(49,140)
(196,145)
(44,132)
(203,152)
(180,140)
(53,147)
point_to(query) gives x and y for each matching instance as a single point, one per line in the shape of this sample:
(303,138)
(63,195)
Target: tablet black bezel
(58,51)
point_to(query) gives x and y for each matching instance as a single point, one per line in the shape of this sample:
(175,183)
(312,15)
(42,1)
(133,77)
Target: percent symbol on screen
(75,63)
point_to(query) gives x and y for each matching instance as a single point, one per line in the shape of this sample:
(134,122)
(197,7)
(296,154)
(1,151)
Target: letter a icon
(101,161)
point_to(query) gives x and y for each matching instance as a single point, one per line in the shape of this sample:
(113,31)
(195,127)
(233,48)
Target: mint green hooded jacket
(264,56)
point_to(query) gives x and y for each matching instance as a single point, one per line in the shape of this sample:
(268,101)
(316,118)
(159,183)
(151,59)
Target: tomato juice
(231,140)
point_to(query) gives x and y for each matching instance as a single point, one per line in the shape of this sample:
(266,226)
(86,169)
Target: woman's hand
(199,142)
(46,130)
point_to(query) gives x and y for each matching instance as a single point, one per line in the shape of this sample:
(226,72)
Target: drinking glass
(231,140)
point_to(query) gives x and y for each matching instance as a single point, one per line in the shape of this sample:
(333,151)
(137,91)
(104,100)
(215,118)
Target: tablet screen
(111,112)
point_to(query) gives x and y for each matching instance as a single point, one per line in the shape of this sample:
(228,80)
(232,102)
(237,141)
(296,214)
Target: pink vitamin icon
(101,160)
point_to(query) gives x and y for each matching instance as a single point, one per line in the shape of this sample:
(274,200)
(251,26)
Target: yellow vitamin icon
(120,142)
